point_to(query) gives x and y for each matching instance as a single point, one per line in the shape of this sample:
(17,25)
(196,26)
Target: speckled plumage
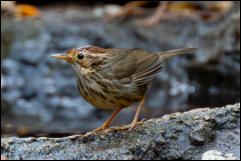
(109,79)
(99,83)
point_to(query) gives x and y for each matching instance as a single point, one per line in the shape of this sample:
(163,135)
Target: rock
(216,155)
(177,136)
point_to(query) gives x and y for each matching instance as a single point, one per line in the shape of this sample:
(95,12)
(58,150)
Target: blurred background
(39,96)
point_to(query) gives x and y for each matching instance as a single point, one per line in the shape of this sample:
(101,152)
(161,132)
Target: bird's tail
(170,53)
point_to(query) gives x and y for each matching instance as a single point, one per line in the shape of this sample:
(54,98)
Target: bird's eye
(80,56)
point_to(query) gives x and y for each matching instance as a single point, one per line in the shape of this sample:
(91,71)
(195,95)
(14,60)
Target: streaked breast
(103,95)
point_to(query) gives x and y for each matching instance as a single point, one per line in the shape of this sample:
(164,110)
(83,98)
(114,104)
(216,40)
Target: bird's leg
(106,124)
(135,122)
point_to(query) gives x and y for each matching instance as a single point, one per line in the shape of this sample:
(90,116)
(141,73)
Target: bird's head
(84,57)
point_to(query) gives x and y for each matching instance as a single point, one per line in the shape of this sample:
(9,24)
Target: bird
(116,78)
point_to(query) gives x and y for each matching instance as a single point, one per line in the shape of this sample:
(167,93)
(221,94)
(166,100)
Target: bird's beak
(61,56)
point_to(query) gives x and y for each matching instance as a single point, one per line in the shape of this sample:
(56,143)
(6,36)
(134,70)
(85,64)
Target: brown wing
(138,65)
(148,66)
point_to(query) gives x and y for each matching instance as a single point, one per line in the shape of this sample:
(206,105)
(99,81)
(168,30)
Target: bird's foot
(129,127)
(95,131)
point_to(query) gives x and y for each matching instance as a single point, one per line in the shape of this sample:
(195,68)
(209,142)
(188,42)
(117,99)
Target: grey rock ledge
(197,134)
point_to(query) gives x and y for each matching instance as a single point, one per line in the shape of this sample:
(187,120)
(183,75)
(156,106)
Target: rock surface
(197,134)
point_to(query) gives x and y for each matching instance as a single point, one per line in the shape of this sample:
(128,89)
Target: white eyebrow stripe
(82,47)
